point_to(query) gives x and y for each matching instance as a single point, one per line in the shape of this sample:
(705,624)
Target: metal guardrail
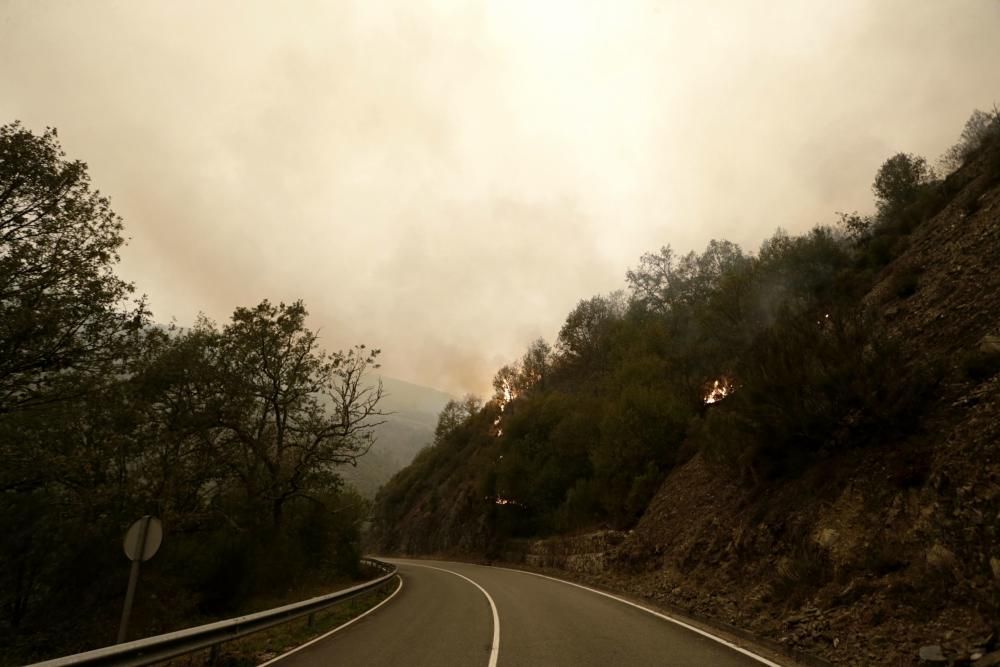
(164,647)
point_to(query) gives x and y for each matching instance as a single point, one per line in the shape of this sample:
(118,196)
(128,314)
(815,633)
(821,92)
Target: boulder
(990,344)
(940,557)
(932,655)
(988,660)
(826,538)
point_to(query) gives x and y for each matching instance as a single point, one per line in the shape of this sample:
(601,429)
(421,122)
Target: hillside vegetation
(757,420)
(235,435)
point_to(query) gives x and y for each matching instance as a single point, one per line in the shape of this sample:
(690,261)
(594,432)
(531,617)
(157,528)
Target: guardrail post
(311,620)
(213,654)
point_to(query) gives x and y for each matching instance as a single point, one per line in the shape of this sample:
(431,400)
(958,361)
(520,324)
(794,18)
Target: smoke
(446,180)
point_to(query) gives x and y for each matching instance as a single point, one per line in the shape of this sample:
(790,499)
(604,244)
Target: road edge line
(495,648)
(759,658)
(336,629)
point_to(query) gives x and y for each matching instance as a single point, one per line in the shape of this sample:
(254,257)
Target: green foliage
(63,314)
(229,567)
(899,181)
(907,195)
(284,412)
(588,325)
(663,281)
(454,414)
(186,437)
(231,436)
(857,227)
(810,385)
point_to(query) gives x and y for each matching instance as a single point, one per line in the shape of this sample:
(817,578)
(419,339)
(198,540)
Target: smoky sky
(445,180)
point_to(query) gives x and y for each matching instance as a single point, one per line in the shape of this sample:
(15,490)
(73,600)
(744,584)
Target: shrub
(806,386)
(807,568)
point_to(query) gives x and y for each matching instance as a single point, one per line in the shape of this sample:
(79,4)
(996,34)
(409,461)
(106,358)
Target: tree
(650,281)
(898,182)
(588,324)
(535,364)
(857,228)
(287,412)
(662,281)
(978,129)
(104,418)
(507,383)
(65,336)
(61,305)
(454,414)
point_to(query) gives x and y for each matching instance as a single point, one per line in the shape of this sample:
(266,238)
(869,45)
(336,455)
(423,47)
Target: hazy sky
(446,180)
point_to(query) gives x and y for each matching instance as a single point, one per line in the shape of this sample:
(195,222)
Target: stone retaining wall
(588,553)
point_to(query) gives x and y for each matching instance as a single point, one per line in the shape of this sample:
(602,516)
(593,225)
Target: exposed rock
(940,557)
(990,344)
(589,553)
(826,538)
(932,655)
(989,660)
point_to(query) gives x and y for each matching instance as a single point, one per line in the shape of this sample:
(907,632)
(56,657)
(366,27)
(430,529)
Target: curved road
(467,615)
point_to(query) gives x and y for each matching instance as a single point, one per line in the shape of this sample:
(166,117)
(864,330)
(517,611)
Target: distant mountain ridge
(402,396)
(409,426)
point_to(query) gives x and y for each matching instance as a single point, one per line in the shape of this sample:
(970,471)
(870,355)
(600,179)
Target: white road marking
(759,658)
(336,629)
(495,648)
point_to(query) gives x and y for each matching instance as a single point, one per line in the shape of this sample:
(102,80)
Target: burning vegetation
(718,390)
(500,500)
(506,391)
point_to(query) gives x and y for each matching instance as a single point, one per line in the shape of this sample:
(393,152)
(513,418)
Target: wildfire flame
(508,396)
(500,500)
(719,390)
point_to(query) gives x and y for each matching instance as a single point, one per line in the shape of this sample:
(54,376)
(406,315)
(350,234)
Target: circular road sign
(154,536)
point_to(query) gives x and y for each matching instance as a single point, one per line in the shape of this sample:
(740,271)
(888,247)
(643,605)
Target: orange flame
(719,390)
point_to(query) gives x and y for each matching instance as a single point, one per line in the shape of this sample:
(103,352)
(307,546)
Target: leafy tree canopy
(62,308)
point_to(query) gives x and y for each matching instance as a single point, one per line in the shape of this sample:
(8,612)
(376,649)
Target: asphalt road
(446,614)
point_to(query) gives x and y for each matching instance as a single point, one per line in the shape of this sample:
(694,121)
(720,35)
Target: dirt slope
(874,553)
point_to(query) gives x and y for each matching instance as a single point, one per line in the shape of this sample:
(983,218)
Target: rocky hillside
(886,552)
(873,555)
(869,557)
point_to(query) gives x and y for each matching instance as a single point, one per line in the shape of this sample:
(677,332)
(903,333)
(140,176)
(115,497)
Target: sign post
(142,541)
